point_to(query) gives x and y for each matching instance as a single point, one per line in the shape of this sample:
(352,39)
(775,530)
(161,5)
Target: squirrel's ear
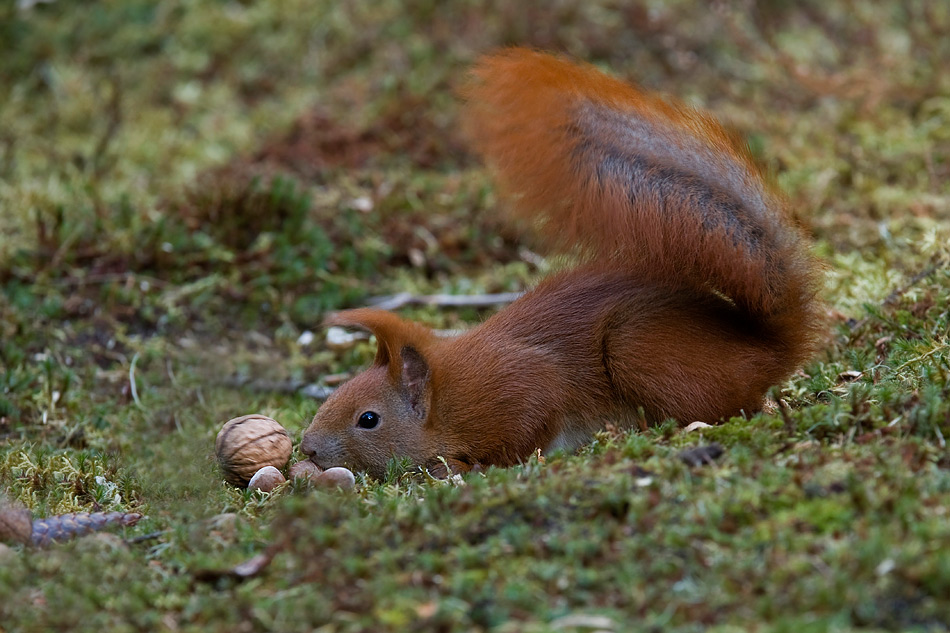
(416,380)
(388,329)
(392,334)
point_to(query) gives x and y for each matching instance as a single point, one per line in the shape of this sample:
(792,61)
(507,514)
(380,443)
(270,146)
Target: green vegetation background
(186,186)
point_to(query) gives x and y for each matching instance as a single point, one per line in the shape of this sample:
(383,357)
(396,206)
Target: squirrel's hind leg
(691,361)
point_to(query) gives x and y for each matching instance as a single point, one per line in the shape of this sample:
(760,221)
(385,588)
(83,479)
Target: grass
(186,187)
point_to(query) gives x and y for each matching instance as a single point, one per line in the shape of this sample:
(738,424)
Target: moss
(188,187)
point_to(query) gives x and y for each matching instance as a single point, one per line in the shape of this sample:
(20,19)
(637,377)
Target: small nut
(248,443)
(336,477)
(223,527)
(266,479)
(304,469)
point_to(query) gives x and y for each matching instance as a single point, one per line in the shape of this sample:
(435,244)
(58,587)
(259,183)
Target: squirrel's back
(636,182)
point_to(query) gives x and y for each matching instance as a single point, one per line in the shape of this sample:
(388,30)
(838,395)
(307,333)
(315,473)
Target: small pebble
(701,455)
(6,552)
(266,479)
(338,339)
(223,527)
(101,542)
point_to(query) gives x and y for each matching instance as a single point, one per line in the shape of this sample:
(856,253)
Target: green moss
(185,190)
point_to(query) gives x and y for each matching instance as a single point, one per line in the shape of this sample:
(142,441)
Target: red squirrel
(692,295)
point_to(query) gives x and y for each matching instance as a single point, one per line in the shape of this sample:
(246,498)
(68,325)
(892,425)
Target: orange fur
(692,296)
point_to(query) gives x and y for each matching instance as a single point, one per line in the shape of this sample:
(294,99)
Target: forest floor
(186,188)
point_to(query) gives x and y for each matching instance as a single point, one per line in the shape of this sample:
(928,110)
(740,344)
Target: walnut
(248,443)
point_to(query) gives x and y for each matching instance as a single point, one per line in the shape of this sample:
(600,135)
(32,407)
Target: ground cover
(186,187)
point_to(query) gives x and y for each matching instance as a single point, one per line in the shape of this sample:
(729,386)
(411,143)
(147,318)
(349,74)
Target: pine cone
(67,526)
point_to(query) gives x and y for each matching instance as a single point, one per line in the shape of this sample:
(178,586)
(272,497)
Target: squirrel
(693,292)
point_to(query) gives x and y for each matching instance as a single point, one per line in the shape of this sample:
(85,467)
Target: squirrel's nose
(323,448)
(307,445)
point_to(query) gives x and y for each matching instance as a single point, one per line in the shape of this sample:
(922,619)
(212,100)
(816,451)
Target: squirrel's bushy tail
(644,183)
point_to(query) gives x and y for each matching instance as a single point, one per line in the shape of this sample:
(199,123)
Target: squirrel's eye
(368,420)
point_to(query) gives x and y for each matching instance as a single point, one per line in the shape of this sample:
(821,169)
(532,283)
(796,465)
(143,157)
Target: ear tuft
(391,332)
